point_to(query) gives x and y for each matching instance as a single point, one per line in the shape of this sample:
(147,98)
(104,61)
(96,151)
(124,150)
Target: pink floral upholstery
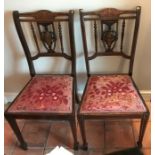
(45,94)
(111,93)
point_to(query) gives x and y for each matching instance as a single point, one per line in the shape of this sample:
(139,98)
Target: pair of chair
(52,97)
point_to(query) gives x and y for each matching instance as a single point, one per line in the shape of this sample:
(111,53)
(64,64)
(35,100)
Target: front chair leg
(83,134)
(143,124)
(17,132)
(74,133)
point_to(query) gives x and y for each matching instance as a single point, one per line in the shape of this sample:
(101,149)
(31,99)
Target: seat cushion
(111,93)
(45,94)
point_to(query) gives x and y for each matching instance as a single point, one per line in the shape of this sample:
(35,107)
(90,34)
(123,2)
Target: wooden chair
(50,96)
(111,95)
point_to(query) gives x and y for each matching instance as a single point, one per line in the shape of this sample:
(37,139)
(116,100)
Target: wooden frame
(109,16)
(45,18)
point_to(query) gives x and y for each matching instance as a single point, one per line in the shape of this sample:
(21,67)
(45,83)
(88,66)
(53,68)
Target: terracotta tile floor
(103,137)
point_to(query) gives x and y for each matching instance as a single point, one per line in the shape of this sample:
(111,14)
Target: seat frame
(44,17)
(108,16)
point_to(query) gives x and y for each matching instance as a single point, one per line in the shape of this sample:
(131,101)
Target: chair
(113,95)
(46,96)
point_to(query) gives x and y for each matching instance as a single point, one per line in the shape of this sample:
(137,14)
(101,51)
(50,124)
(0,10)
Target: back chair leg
(17,132)
(77,98)
(74,132)
(76,94)
(83,134)
(143,124)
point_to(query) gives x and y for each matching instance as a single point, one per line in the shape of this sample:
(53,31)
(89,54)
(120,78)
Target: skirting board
(146,94)
(8,97)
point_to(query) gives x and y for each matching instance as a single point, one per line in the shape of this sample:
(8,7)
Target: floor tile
(70,139)
(36,132)
(60,135)
(94,134)
(123,151)
(119,135)
(10,138)
(90,152)
(146,151)
(111,150)
(147,136)
(96,152)
(8,150)
(19,151)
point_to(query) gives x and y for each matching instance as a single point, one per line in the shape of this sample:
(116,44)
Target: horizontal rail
(31,14)
(120,18)
(97,12)
(52,55)
(44,21)
(109,54)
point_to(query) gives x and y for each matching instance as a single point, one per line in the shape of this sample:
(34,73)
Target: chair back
(110,32)
(46,34)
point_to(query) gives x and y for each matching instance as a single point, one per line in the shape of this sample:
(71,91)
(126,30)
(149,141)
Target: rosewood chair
(111,95)
(52,96)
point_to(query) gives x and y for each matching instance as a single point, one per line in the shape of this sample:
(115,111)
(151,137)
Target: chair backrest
(113,32)
(46,33)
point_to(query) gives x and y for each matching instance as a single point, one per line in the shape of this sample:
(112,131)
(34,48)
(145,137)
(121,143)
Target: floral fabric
(45,94)
(111,93)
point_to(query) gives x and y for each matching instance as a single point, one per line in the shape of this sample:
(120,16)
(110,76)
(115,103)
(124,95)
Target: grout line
(133,133)
(146,147)
(104,138)
(12,150)
(48,133)
(16,143)
(138,136)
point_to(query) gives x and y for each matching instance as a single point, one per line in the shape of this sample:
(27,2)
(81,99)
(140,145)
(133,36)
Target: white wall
(16,69)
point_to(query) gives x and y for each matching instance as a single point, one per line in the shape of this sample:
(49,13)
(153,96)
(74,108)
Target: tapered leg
(83,134)
(144,121)
(17,132)
(73,128)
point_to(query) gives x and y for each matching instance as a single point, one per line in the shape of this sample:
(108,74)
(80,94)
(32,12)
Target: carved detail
(109,37)
(109,13)
(44,15)
(60,36)
(48,36)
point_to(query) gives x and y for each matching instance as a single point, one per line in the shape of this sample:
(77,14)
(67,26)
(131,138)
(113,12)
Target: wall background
(16,72)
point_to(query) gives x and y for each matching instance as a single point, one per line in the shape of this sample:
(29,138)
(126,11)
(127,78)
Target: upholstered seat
(45,94)
(111,93)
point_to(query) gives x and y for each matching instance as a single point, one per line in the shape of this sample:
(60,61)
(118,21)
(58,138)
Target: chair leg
(143,124)
(74,132)
(83,134)
(17,132)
